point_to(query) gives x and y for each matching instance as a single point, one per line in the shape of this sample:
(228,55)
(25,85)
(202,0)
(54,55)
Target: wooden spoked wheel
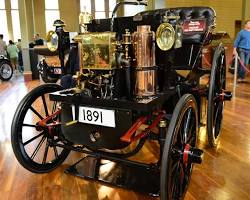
(33,143)
(180,150)
(215,105)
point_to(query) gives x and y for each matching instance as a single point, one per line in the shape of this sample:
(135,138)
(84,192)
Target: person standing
(19,45)
(242,44)
(2,46)
(20,56)
(12,51)
(36,41)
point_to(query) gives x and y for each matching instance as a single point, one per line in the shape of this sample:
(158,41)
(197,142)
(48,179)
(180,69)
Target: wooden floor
(223,175)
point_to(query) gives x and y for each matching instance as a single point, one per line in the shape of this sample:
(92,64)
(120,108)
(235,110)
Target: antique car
(138,81)
(49,66)
(49,63)
(6,70)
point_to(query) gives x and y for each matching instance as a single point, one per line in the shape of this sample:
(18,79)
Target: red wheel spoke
(190,139)
(37,148)
(175,183)
(187,126)
(181,179)
(45,152)
(175,165)
(31,125)
(45,105)
(34,111)
(32,139)
(55,152)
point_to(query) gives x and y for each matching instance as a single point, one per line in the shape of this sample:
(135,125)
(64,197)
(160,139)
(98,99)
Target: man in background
(3,46)
(20,56)
(242,46)
(36,41)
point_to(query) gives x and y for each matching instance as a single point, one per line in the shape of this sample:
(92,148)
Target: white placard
(97,116)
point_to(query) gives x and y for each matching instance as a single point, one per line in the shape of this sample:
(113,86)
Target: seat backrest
(192,41)
(186,14)
(197,24)
(154,18)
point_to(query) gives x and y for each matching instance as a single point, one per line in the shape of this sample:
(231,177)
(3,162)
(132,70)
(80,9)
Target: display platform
(129,175)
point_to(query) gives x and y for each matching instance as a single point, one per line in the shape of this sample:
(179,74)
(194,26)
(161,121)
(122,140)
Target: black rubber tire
(47,79)
(215,107)
(17,133)
(5,75)
(187,103)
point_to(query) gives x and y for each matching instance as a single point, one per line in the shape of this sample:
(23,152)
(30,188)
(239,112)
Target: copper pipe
(144,50)
(145,84)
(143,42)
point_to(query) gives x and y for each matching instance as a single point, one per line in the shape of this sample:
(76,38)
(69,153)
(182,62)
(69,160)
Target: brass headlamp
(165,36)
(52,36)
(52,41)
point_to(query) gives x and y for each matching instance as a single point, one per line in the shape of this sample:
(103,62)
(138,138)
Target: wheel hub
(224,96)
(192,155)
(6,71)
(52,127)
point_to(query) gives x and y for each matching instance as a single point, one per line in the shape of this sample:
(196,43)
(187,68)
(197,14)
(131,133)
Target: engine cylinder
(144,52)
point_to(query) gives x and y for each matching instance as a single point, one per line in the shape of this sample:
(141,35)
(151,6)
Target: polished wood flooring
(223,175)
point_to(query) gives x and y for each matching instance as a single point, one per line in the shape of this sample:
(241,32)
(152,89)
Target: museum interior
(124,99)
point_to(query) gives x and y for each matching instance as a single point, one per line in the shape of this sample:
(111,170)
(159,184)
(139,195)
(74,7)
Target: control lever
(136,3)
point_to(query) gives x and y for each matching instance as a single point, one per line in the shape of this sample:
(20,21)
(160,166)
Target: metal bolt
(163,123)
(97,135)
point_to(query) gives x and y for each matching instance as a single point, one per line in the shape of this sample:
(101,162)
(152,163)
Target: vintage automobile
(139,80)
(49,66)
(6,70)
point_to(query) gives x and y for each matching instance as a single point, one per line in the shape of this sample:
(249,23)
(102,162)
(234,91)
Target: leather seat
(185,13)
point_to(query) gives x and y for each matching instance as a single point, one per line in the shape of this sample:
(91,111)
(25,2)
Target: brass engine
(105,60)
(101,56)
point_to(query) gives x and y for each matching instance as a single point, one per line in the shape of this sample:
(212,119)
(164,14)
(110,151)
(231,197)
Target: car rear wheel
(6,70)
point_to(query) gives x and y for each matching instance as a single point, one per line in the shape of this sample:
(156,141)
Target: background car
(6,70)
(217,38)
(48,64)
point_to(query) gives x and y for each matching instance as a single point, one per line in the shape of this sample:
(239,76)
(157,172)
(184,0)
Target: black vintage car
(6,70)
(139,80)
(48,65)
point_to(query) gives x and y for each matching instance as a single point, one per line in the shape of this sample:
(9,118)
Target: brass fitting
(163,123)
(79,87)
